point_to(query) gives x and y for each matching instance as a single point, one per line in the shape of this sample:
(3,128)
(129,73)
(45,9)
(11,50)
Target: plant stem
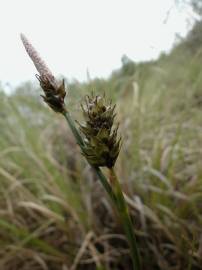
(106,184)
(125,218)
(115,193)
(73,128)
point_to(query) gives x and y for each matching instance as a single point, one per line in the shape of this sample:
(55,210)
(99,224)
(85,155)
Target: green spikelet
(101,143)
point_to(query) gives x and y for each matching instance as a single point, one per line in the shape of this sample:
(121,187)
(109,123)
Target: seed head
(101,143)
(54,91)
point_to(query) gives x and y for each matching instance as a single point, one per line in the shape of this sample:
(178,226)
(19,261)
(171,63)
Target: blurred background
(147,57)
(76,36)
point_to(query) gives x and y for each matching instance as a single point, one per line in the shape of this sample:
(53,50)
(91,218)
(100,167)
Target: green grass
(53,212)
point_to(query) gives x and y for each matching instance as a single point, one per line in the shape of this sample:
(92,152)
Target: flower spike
(54,91)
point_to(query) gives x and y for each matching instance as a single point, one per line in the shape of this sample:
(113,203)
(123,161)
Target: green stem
(73,128)
(125,218)
(114,191)
(106,184)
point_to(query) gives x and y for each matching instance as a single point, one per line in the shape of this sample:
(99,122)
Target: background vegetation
(53,212)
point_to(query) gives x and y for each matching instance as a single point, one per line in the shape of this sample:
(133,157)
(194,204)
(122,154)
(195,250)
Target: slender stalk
(115,193)
(73,128)
(125,218)
(106,184)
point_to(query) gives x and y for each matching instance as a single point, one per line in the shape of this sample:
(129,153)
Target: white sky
(74,35)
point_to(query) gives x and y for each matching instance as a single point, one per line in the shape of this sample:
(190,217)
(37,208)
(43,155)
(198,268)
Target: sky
(74,36)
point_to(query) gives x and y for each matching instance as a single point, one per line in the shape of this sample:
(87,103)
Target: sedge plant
(97,138)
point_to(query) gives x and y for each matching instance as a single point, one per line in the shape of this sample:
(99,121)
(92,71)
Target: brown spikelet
(102,144)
